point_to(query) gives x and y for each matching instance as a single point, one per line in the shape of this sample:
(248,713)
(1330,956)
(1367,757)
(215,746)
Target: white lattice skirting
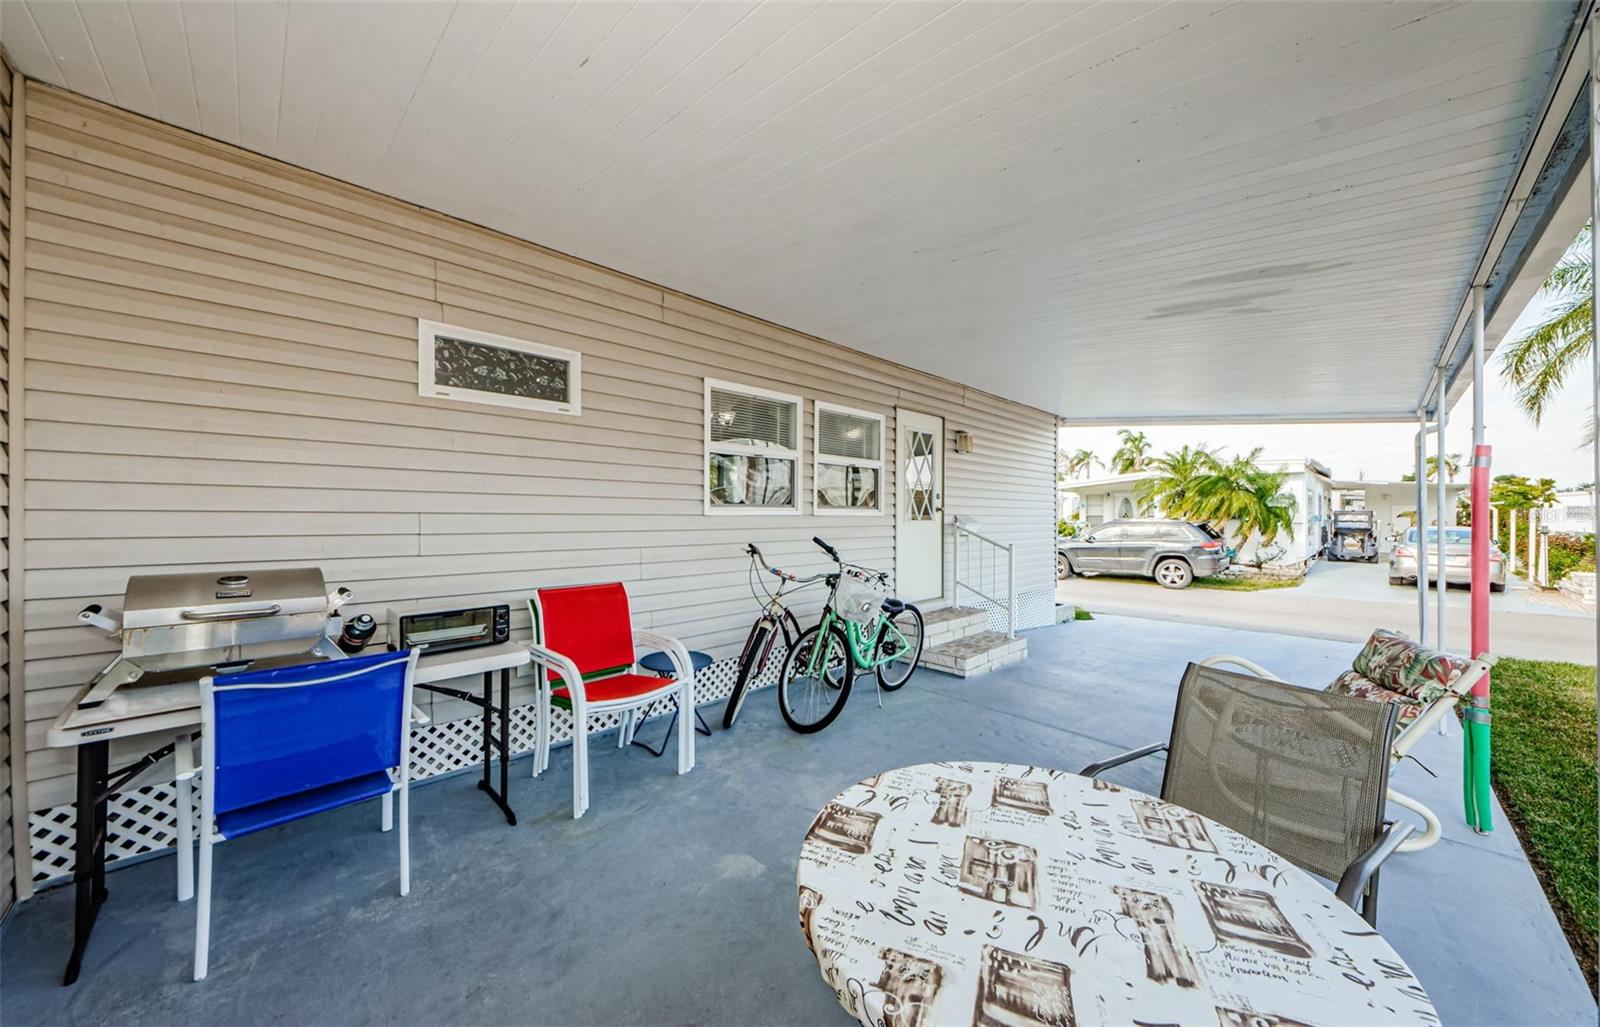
(1035,609)
(142,821)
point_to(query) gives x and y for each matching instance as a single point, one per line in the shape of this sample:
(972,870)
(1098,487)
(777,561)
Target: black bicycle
(776,620)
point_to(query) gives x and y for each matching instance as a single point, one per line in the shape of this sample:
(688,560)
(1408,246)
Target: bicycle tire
(787,676)
(877,649)
(755,647)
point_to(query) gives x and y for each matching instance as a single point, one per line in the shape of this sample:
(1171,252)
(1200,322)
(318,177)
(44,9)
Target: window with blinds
(752,449)
(848,461)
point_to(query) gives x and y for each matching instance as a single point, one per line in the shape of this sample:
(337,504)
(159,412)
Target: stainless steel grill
(176,622)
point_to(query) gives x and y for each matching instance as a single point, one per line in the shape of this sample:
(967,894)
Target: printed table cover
(999,894)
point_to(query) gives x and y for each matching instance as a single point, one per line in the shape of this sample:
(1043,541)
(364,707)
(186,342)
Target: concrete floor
(672,900)
(1345,601)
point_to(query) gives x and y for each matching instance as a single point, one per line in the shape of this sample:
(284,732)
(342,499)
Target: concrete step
(975,654)
(951,623)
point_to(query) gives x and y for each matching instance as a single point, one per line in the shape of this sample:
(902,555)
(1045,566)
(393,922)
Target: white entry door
(919,513)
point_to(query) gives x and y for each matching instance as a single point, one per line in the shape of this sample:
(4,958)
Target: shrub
(1570,553)
(1067,529)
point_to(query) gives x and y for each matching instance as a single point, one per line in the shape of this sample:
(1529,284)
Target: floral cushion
(1393,668)
(1397,663)
(1353,684)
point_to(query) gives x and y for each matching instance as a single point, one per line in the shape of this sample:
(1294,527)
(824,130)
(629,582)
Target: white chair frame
(584,710)
(1406,740)
(209,838)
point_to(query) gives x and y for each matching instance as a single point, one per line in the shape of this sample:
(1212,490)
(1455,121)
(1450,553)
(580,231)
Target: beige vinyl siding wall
(221,370)
(8,862)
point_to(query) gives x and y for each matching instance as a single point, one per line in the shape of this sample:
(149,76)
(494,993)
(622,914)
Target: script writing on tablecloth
(1001,895)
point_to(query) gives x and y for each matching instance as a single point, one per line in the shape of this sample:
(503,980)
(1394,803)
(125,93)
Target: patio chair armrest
(676,651)
(1359,872)
(1473,673)
(1251,666)
(546,659)
(1096,769)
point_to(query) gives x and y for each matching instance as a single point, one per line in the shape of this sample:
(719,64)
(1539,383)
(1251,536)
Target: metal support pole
(1422,528)
(1594,295)
(1443,507)
(1011,591)
(1475,745)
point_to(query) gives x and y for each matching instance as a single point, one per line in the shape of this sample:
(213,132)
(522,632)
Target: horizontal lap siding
(8,862)
(221,370)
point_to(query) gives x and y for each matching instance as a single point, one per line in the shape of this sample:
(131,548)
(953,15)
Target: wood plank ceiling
(1118,210)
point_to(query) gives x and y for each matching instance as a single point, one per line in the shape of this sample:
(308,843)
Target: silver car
(1172,552)
(1457,559)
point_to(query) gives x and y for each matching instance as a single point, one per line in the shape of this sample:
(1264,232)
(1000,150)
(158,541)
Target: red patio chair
(584,643)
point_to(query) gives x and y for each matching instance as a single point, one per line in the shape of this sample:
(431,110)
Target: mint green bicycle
(862,629)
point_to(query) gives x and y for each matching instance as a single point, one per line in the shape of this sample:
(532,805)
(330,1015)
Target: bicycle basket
(859,600)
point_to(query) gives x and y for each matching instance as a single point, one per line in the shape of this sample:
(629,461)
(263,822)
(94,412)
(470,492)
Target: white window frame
(426,386)
(746,449)
(818,458)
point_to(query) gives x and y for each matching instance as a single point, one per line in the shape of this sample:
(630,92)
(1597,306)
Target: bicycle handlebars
(855,568)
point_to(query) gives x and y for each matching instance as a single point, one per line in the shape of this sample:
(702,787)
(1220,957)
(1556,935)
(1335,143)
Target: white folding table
(168,706)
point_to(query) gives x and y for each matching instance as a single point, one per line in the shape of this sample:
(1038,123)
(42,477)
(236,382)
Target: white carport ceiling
(1136,211)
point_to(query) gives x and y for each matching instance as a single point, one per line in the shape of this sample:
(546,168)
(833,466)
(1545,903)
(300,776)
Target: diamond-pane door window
(919,476)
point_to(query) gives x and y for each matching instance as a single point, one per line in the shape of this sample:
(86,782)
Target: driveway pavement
(1345,601)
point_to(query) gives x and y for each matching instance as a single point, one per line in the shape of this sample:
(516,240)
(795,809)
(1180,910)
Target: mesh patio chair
(286,743)
(1422,684)
(584,655)
(1300,771)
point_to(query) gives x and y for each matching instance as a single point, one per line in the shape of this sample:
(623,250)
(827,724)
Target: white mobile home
(1316,494)
(228,362)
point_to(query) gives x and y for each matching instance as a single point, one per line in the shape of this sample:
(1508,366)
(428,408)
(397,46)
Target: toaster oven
(433,630)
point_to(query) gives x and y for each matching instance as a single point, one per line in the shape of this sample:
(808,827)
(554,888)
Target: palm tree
(1537,362)
(1452,467)
(1176,488)
(1241,493)
(1130,454)
(1080,463)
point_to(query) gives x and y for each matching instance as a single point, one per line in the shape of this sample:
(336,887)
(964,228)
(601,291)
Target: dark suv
(1172,552)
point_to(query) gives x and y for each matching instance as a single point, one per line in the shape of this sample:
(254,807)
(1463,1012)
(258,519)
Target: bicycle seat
(893,606)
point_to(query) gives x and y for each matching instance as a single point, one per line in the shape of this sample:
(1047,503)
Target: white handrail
(976,581)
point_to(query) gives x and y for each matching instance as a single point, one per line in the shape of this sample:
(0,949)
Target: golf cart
(1355,536)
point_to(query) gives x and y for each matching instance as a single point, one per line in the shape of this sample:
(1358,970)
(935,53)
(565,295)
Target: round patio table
(1000,894)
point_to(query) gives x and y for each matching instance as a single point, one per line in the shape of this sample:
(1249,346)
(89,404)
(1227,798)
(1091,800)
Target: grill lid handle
(249,613)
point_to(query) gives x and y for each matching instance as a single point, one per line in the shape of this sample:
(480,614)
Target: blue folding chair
(278,745)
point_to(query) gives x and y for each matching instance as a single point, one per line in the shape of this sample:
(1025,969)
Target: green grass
(1544,772)
(1220,584)
(1081,614)
(1246,584)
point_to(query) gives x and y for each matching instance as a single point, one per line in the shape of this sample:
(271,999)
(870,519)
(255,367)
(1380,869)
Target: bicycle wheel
(900,637)
(751,660)
(810,702)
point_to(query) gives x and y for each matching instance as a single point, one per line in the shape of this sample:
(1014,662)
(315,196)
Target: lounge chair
(1423,684)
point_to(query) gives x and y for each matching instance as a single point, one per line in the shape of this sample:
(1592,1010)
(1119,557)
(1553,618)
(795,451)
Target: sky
(1384,451)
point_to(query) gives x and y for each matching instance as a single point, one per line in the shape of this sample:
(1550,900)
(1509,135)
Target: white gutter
(1565,90)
